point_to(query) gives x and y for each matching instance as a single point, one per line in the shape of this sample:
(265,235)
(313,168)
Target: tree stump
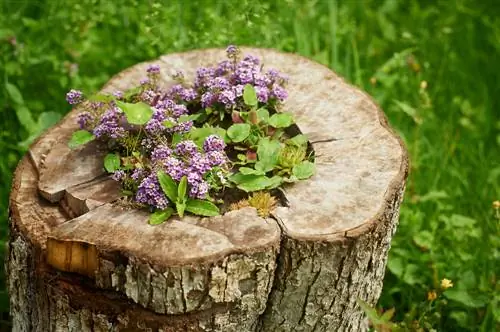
(78,262)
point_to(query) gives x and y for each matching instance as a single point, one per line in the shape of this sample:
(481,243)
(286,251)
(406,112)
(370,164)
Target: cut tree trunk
(79,262)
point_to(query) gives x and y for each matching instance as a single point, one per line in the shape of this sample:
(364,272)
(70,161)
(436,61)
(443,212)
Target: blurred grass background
(433,66)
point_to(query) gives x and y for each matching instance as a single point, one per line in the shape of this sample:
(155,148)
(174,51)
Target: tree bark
(80,262)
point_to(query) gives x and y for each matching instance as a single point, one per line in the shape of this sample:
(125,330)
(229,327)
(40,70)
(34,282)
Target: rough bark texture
(78,262)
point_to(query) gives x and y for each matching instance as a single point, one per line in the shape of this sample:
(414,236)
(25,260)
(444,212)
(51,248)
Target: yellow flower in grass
(432,295)
(446,283)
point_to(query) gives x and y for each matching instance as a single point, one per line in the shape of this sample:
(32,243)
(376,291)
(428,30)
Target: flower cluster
(164,142)
(222,85)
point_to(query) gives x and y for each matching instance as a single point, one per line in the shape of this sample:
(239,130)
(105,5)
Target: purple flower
(160,153)
(238,90)
(118,175)
(84,118)
(148,96)
(262,94)
(193,178)
(250,59)
(109,124)
(203,75)
(216,158)
(149,192)
(199,163)
(153,69)
(118,94)
(219,83)
(186,148)
(279,93)
(144,81)
(213,143)
(227,97)
(74,97)
(199,190)
(178,110)
(223,68)
(244,75)
(181,93)
(207,99)
(182,127)
(262,80)
(232,51)
(175,168)
(138,174)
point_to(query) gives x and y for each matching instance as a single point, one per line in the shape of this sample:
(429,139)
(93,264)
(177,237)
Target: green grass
(448,227)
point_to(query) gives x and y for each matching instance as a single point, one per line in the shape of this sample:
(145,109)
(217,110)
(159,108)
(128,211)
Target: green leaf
(281,120)
(101,98)
(181,207)
(263,115)
(275,182)
(267,153)
(176,138)
(182,189)
(198,135)
(396,266)
(304,170)
(462,296)
(423,239)
(190,117)
(80,137)
(168,185)
(132,92)
(168,124)
(138,113)
(248,170)
(25,118)
(249,95)
(14,94)
(202,208)
(111,162)
(238,132)
(251,182)
(47,119)
(299,140)
(160,216)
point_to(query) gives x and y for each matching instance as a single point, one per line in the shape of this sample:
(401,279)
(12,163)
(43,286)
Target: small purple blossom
(223,68)
(138,174)
(232,51)
(227,97)
(161,152)
(207,99)
(118,94)
(216,158)
(175,168)
(153,69)
(213,143)
(84,119)
(262,94)
(199,190)
(74,97)
(148,96)
(118,175)
(149,192)
(109,124)
(279,93)
(144,81)
(186,148)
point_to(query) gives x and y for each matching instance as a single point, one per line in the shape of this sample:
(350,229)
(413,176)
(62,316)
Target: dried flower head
(263,202)
(431,296)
